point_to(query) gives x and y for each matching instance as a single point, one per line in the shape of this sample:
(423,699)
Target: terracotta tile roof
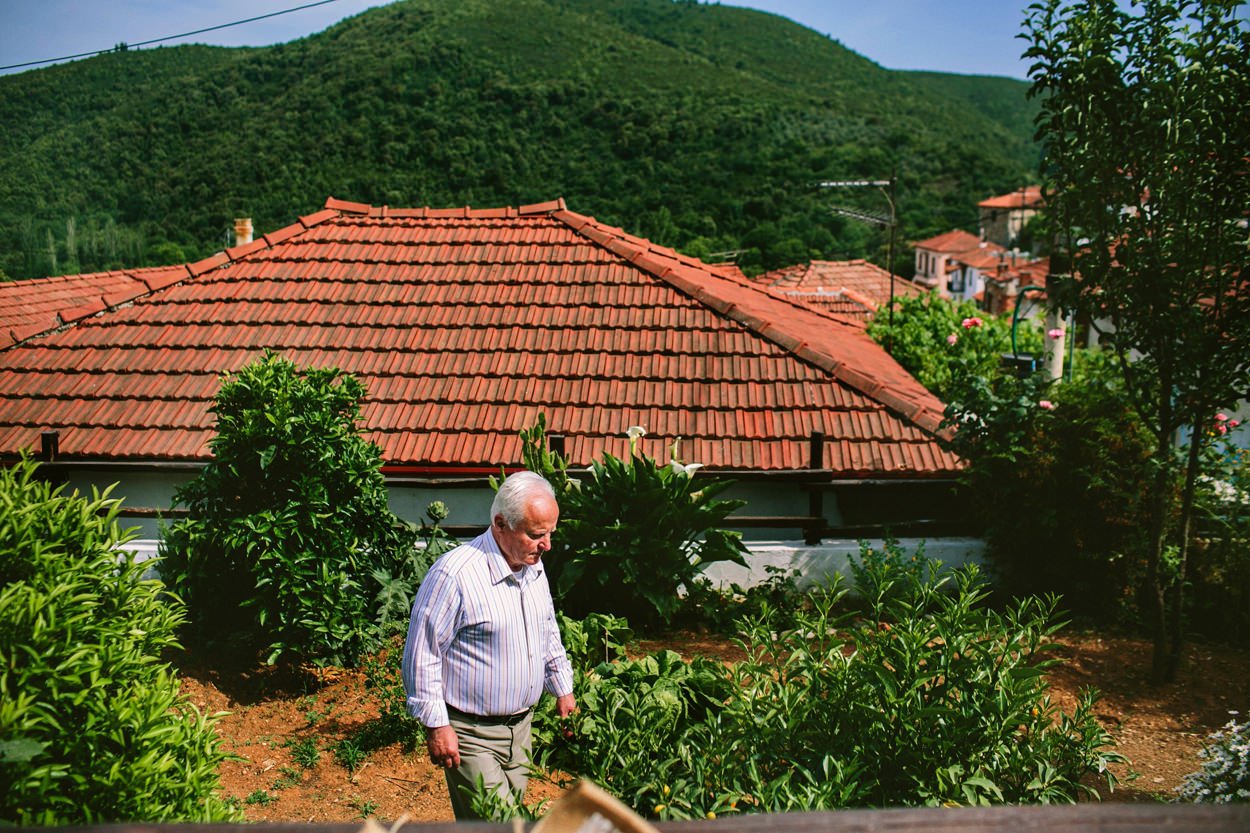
(32,307)
(1028,197)
(851,288)
(1023,272)
(985,256)
(465,324)
(950,242)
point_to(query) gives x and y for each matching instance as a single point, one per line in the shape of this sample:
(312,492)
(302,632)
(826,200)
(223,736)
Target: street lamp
(887,189)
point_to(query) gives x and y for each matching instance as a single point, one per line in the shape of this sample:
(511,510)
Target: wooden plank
(1080,818)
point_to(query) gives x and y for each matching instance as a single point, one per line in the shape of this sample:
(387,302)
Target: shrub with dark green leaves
(290,546)
(1055,472)
(92,725)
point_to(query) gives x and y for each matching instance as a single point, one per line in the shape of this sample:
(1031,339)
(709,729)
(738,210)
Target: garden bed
(277,725)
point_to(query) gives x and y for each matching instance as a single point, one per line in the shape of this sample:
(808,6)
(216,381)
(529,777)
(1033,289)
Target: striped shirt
(482,638)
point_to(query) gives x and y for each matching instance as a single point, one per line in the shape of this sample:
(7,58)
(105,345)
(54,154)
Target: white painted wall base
(815,564)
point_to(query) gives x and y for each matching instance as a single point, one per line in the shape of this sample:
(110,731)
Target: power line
(169,37)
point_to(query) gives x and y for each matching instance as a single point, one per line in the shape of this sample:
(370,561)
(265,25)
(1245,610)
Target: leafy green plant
(262,797)
(1224,777)
(304,751)
(364,807)
(289,539)
(289,777)
(397,586)
(599,637)
(721,610)
(923,696)
(881,572)
(349,754)
(93,727)
(634,534)
(1142,206)
(947,344)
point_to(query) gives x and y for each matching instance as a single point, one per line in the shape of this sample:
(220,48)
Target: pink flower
(970,323)
(951,339)
(1056,333)
(1232,423)
(1221,417)
(1046,405)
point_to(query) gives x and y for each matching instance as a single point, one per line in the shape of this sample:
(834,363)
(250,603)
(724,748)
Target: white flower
(636,431)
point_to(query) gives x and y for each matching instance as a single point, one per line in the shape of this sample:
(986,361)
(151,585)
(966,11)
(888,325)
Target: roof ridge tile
(547,207)
(208,264)
(346,207)
(159,281)
(284,234)
(319,217)
(243,250)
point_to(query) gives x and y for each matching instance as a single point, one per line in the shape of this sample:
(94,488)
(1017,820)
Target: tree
(1144,122)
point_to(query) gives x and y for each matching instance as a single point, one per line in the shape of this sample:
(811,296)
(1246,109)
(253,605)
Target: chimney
(242,230)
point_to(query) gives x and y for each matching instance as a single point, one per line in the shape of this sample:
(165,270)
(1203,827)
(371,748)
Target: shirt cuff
(431,713)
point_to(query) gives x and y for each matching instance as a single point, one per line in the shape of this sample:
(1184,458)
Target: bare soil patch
(270,719)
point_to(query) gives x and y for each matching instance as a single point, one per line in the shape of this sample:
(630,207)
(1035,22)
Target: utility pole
(886,187)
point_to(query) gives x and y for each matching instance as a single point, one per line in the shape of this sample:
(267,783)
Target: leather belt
(489,719)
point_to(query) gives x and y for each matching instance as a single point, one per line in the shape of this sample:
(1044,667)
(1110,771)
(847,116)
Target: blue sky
(965,36)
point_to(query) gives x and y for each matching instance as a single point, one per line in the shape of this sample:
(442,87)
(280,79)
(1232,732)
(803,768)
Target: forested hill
(703,127)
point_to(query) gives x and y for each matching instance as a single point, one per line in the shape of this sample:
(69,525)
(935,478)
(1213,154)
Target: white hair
(515,494)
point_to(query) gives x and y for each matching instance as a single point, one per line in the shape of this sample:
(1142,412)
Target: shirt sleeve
(430,630)
(558,676)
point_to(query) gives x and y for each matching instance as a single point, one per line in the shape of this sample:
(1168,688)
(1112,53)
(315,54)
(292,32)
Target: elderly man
(483,646)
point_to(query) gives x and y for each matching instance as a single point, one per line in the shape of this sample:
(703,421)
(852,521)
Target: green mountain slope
(701,126)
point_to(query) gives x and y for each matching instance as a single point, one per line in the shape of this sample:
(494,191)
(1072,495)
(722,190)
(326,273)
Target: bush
(927,698)
(633,535)
(1225,774)
(93,728)
(290,546)
(946,345)
(1055,473)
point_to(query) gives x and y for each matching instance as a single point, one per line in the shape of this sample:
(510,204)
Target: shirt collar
(499,568)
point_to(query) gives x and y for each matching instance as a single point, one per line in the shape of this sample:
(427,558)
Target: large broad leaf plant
(634,534)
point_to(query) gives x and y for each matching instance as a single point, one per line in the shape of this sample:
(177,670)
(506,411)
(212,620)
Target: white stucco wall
(812,565)
(817,564)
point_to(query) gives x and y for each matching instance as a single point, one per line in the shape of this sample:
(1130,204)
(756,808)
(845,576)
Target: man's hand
(443,746)
(566,705)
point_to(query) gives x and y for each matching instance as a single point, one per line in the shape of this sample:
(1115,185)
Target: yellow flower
(710,814)
(659,808)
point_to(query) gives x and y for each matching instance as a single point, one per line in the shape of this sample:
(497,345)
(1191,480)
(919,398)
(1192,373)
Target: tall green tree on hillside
(1145,122)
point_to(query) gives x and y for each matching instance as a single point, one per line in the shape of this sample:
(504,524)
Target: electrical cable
(168,37)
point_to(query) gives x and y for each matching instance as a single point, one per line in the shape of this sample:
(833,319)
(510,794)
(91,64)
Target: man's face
(526,544)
